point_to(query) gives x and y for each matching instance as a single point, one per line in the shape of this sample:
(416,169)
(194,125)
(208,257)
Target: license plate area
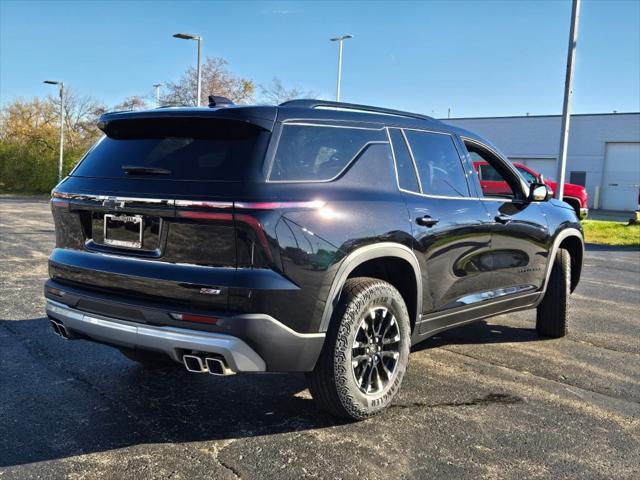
(123,230)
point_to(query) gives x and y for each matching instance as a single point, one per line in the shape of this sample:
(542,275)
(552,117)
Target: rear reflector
(55,291)
(187,317)
(59,203)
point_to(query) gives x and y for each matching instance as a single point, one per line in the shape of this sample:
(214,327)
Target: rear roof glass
(175,149)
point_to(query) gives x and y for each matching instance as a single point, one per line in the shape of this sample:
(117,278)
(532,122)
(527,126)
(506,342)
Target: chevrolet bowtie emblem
(113,202)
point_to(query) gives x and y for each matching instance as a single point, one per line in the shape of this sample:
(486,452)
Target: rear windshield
(175,149)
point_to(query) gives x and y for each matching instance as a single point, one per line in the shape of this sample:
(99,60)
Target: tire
(148,360)
(357,392)
(553,312)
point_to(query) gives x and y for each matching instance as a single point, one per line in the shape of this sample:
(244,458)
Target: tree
(134,102)
(216,80)
(30,121)
(81,116)
(276,93)
(29,136)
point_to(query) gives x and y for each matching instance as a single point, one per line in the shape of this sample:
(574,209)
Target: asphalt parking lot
(489,400)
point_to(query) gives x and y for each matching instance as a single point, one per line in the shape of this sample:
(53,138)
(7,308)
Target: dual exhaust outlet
(60,329)
(201,364)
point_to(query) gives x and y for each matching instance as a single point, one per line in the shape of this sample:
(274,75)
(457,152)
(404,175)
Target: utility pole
(61,92)
(566,105)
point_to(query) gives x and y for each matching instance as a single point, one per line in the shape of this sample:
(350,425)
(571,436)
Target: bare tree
(216,80)
(37,120)
(276,93)
(81,115)
(134,102)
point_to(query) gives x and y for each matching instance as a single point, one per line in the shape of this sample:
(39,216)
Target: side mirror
(539,192)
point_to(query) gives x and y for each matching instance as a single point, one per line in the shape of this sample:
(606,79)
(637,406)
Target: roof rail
(351,106)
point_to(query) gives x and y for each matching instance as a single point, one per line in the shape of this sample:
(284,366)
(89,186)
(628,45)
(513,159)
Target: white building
(604,151)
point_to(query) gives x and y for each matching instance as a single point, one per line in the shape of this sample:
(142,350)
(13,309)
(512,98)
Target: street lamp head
(157,85)
(187,36)
(52,82)
(341,37)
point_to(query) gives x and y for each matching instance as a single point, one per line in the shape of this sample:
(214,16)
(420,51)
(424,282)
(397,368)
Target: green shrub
(32,168)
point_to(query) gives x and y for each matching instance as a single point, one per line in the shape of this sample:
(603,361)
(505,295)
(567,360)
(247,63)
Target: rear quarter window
(318,152)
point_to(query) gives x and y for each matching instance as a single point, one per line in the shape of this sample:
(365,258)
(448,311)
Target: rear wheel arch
(392,262)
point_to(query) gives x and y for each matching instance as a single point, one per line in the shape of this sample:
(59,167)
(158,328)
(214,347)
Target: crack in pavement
(492,398)
(216,456)
(567,386)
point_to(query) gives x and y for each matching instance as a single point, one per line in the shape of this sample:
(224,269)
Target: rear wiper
(140,170)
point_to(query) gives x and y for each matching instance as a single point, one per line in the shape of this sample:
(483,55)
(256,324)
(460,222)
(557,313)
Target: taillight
(60,200)
(313,204)
(188,317)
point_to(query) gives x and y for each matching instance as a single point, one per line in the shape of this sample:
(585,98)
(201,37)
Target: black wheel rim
(375,351)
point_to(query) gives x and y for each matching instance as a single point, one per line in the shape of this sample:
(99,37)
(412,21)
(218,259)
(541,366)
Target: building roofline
(542,116)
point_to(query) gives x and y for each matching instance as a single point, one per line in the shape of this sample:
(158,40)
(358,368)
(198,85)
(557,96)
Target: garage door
(621,178)
(545,166)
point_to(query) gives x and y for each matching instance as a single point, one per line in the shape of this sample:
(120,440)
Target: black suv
(314,237)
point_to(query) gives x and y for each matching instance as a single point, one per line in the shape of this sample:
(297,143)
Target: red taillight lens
(314,204)
(188,317)
(204,215)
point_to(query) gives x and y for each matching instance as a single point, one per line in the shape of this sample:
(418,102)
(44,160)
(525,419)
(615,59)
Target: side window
(439,165)
(404,164)
(528,176)
(318,152)
(494,180)
(487,172)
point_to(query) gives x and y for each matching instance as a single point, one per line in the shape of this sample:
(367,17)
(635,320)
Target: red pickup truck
(493,183)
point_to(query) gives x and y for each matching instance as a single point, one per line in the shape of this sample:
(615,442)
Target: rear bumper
(175,342)
(248,342)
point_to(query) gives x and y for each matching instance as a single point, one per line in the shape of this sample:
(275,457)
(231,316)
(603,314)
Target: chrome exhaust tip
(64,333)
(60,329)
(55,327)
(217,366)
(194,364)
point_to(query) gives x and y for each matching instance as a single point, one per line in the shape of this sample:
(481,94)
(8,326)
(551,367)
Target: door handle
(426,221)
(503,218)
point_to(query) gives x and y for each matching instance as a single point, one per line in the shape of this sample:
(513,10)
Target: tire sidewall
(352,398)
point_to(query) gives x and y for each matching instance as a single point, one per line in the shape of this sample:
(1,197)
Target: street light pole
(61,92)
(189,36)
(199,70)
(157,87)
(566,105)
(340,41)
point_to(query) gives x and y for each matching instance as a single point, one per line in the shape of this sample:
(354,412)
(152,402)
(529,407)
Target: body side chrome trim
(475,306)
